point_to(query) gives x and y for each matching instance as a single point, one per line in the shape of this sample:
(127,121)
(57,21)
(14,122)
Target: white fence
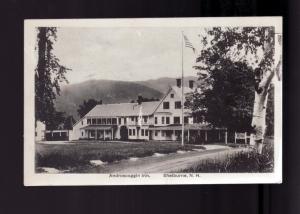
(241,136)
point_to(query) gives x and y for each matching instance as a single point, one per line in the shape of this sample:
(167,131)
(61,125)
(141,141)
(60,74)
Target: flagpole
(182,94)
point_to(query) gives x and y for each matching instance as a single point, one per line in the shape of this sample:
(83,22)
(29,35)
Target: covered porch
(98,132)
(193,133)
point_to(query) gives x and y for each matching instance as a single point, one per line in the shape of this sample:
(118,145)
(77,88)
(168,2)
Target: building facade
(159,120)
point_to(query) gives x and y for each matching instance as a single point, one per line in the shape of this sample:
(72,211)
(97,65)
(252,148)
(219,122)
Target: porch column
(96,134)
(174,135)
(219,135)
(112,133)
(188,135)
(225,137)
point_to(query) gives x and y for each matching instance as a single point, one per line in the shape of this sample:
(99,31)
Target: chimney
(178,83)
(191,84)
(140,98)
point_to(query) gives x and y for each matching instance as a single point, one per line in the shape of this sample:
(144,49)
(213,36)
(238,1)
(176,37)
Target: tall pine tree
(48,76)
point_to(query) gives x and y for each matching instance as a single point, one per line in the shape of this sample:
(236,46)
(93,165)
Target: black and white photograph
(153,101)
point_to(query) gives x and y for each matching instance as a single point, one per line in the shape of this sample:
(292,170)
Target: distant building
(40,129)
(159,120)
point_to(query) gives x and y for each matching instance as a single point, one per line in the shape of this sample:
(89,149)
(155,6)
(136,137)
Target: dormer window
(172,95)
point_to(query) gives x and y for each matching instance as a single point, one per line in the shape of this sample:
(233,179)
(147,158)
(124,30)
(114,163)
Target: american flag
(188,44)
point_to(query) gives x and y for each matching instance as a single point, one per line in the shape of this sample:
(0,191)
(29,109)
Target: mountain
(108,91)
(162,84)
(111,91)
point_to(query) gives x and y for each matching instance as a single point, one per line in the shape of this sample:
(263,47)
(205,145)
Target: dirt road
(164,163)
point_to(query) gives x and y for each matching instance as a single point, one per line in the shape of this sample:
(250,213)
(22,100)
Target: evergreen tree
(87,106)
(48,76)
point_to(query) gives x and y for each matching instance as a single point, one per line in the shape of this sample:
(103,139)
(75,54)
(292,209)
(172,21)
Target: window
(120,121)
(35,133)
(114,121)
(177,105)
(162,133)
(156,133)
(125,120)
(136,119)
(88,121)
(133,132)
(167,120)
(186,120)
(166,105)
(92,133)
(172,95)
(81,133)
(143,132)
(169,133)
(109,121)
(104,121)
(162,120)
(132,119)
(146,132)
(145,119)
(202,119)
(155,120)
(176,120)
(130,132)
(93,121)
(98,121)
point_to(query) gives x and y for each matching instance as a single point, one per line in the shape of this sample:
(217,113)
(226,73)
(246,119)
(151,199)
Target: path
(173,162)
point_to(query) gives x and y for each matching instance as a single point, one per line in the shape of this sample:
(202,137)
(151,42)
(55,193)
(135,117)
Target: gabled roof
(186,90)
(122,109)
(178,91)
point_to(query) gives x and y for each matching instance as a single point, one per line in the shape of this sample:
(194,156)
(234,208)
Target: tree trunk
(260,107)
(259,116)
(261,95)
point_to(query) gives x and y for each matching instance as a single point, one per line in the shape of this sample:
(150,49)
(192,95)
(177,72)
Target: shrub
(240,162)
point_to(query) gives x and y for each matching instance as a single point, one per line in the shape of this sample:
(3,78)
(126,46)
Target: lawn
(79,154)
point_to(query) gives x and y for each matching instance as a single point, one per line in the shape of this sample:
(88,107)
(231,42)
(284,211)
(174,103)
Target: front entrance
(100,135)
(124,133)
(150,135)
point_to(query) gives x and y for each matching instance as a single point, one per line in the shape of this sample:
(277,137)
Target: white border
(33,179)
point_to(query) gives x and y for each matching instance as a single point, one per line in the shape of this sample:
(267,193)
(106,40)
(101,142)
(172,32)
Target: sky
(128,54)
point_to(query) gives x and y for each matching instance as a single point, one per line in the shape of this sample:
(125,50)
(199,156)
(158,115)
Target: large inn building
(159,120)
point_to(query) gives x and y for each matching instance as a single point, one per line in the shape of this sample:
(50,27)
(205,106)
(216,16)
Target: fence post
(235,137)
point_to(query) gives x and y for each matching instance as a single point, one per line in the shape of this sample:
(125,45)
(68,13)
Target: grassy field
(241,162)
(75,155)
